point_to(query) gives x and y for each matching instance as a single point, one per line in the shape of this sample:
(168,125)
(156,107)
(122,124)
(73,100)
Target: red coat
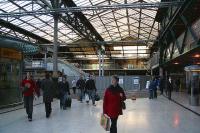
(112,104)
(33,88)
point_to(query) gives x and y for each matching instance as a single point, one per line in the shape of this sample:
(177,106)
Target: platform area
(141,116)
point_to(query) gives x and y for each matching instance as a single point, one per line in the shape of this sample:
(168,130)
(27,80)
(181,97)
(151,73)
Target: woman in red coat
(28,87)
(112,105)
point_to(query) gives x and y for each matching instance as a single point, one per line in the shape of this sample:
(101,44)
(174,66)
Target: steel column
(102,67)
(99,63)
(55,47)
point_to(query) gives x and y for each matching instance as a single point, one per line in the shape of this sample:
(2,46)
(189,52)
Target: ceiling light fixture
(196,55)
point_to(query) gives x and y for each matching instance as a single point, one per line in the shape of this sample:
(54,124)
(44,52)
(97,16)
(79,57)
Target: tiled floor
(35,102)
(183,98)
(141,116)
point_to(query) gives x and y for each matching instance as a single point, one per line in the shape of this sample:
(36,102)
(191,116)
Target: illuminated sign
(10,53)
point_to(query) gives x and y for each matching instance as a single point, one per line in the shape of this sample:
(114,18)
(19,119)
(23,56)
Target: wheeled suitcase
(68,102)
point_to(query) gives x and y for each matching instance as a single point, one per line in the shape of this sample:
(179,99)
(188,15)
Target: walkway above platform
(141,116)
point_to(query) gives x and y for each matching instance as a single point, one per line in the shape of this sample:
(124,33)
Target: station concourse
(141,57)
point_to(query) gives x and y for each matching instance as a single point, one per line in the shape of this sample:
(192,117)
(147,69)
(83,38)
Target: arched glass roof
(112,25)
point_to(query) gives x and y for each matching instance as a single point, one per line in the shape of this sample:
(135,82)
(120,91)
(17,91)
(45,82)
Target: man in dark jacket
(152,88)
(169,87)
(177,83)
(81,86)
(47,87)
(90,88)
(162,85)
(64,90)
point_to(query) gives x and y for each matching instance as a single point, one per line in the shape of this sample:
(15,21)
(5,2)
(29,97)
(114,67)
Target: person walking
(47,87)
(38,83)
(113,102)
(59,85)
(169,87)
(177,83)
(90,88)
(156,86)
(81,87)
(162,85)
(74,85)
(64,91)
(152,87)
(28,88)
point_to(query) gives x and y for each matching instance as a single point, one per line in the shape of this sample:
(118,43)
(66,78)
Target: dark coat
(162,83)
(47,86)
(64,88)
(153,85)
(90,85)
(80,84)
(169,86)
(112,104)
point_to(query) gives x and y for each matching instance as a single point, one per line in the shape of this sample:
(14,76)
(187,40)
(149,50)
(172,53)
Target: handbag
(25,89)
(87,97)
(97,97)
(123,105)
(105,122)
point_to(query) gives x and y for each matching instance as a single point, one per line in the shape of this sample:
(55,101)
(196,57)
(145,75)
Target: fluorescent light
(133,52)
(197,55)
(117,48)
(134,47)
(129,47)
(176,63)
(130,55)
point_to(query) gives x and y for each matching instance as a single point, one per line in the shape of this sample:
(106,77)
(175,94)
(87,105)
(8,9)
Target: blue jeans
(92,95)
(81,94)
(28,102)
(150,94)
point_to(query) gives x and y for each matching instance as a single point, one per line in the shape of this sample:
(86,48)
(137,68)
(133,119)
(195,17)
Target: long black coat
(47,86)
(169,86)
(90,85)
(64,88)
(80,84)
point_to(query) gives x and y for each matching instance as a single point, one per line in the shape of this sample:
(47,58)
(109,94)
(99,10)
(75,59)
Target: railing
(114,66)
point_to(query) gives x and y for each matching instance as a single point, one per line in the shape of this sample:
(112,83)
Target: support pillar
(99,63)
(45,60)
(102,67)
(161,72)
(55,47)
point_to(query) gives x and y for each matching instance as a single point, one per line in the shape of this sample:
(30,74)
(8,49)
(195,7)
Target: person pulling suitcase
(64,91)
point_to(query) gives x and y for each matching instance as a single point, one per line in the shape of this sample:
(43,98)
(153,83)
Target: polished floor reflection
(141,116)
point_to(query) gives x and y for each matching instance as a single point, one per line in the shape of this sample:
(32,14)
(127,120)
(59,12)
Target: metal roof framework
(41,25)
(111,24)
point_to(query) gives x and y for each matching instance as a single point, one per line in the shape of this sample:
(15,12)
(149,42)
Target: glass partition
(10,77)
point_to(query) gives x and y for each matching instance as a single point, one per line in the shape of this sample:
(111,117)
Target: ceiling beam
(84,20)
(13,27)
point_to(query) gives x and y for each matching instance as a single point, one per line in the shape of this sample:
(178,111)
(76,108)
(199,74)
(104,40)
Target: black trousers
(74,90)
(113,128)
(169,94)
(161,90)
(48,108)
(28,103)
(155,93)
(150,94)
